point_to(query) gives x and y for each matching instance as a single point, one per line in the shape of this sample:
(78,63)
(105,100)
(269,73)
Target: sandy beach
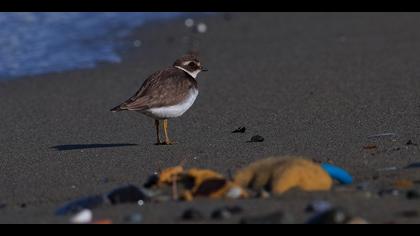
(319,85)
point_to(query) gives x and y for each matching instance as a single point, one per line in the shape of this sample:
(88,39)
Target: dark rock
(239,130)
(226,212)
(193,215)
(412,194)
(333,216)
(410,142)
(257,139)
(273,218)
(127,194)
(80,204)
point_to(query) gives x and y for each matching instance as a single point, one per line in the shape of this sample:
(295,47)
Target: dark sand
(312,84)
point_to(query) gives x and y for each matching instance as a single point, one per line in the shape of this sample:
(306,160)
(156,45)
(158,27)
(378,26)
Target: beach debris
(226,212)
(83,217)
(81,204)
(277,217)
(332,216)
(189,184)
(279,175)
(201,27)
(412,195)
(189,22)
(318,206)
(102,222)
(410,142)
(126,194)
(239,130)
(339,174)
(256,139)
(403,184)
(135,218)
(382,135)
(192,214)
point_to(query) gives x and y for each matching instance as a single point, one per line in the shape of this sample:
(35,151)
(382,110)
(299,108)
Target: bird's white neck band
(193,74)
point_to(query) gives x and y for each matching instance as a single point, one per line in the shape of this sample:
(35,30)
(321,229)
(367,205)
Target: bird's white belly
(173,111)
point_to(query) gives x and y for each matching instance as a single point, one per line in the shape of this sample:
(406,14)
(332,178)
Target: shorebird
(167,93)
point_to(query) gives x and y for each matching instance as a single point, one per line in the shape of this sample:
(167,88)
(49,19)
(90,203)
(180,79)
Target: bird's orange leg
(165,130)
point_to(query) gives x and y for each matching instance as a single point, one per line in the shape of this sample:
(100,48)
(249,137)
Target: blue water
(39,43)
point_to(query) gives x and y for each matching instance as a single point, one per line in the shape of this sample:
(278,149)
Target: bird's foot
(165,143)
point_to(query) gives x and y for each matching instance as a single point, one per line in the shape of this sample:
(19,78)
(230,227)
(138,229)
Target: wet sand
(313,84)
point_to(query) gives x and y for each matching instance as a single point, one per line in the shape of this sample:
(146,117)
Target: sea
(40,43)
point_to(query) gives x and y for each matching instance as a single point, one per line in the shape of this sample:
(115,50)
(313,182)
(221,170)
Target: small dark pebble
(410,142)
(23,205)
(412,194)
(273,218)
(226,212)
(410,214)
(239,130)
(257,139)
(2,205)
(333,216)
(192,214)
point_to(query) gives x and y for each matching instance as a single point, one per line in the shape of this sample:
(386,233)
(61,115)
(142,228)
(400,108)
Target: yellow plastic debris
(282,174)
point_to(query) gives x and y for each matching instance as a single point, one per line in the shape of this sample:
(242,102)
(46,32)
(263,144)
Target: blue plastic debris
(337,173)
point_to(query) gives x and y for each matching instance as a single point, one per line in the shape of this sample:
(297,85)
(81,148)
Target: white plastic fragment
(83,217)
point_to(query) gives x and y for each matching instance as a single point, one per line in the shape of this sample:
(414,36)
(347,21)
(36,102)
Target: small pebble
(140,203)
(137,43)
(23,205)
(135,218)
(412,194)
(239,130)
(201,27)
(189,22)
(193,215)
(234,193)
(83,217)
(256,139)
(410,142)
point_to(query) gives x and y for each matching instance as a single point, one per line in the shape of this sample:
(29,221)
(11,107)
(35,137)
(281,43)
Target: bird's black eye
(191,64)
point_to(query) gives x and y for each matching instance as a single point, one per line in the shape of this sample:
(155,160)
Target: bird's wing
(163,88)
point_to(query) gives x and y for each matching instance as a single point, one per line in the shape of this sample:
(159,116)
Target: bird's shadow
(69,147)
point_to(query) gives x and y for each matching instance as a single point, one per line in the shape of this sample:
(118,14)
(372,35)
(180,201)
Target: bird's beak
(204,69)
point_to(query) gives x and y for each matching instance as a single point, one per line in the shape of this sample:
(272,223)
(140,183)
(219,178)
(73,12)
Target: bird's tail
(117,109)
